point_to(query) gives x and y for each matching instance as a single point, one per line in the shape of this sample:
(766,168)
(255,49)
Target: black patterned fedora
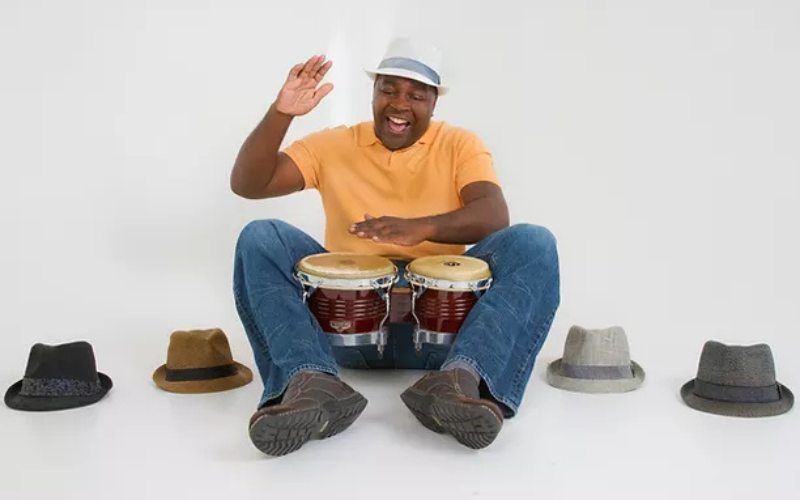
(737,381)
(59,377)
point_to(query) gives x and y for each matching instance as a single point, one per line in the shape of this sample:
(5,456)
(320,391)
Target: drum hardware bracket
(416,293)
(386,296)
(308,292)
(427,337)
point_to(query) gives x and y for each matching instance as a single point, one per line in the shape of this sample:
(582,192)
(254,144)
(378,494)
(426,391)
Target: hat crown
(603,347)
(71,361)
(414,60)
(198,349)
(416,50)
(743,366)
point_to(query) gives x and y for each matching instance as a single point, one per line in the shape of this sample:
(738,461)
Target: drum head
(458,268)
(346,266)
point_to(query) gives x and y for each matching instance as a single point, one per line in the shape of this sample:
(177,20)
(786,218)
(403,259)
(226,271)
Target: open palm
(300,94)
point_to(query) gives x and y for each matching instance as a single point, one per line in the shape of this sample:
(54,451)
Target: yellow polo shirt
(356,175)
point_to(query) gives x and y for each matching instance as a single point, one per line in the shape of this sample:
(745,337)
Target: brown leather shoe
(449,401)
(315,406)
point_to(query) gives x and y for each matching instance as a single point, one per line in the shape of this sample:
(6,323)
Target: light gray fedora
(737,381)
(596,361)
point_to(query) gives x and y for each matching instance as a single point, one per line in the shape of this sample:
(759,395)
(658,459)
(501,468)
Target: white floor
(140,442)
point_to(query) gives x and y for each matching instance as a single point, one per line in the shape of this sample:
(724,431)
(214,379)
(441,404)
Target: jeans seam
(541,338)
(247,318)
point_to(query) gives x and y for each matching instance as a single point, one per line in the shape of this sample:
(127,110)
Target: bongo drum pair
(352,296)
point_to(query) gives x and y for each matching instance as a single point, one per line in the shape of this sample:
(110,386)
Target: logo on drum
(341,326)
(451,263)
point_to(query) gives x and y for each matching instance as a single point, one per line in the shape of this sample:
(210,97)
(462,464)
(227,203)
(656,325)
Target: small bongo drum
(349,295)
(444,290)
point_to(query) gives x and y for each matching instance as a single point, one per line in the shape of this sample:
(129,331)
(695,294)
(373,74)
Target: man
(403,187)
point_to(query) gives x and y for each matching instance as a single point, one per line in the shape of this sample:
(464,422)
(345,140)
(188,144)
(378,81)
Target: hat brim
(594,386)
(404,73)
(731,409)
(17,401)
(242,377)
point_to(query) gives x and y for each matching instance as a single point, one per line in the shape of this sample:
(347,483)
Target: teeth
(398,120)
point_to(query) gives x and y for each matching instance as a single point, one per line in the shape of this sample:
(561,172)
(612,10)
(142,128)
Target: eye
(417,97)
(387,91)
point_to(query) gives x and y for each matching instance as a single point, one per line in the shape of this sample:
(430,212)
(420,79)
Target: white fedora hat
(414,60)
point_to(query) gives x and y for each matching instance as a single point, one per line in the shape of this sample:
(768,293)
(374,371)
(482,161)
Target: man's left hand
(405,232)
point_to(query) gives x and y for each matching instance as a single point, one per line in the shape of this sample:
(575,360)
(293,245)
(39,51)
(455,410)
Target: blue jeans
(500,337)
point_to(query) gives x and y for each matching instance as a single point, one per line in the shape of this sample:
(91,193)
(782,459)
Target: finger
(309,67)
(354,227)
(360,229)
(378,225)
(322,92)
(295,71)
(318,65)
(323,70)
(390,238)
(381,232)
(370,222)
(372,228)
(366,234)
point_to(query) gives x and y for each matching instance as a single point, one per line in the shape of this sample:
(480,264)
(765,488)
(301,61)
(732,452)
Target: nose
(400,105)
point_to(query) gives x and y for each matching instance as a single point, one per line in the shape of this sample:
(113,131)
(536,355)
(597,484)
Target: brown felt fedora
(200,361)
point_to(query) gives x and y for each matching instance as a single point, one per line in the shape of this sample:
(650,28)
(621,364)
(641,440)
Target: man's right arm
(261,170)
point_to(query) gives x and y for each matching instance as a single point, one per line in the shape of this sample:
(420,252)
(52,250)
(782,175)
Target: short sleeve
(303,153)
(473,162)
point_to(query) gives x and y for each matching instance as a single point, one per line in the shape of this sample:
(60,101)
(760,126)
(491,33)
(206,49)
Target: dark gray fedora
(737,381)
(59,377)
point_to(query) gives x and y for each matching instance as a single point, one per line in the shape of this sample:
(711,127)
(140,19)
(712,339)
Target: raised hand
(405,232)
(300,94)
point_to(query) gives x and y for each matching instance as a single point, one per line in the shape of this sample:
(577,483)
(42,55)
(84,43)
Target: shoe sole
(472,424)
(280,434)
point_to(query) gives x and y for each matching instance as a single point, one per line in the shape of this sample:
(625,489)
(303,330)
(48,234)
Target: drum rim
(316,281)
(390,269)
(486,274)
(448,285)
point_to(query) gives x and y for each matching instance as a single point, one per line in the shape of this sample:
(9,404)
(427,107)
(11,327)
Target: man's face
(402,110)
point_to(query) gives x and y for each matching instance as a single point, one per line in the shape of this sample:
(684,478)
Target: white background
(657,140)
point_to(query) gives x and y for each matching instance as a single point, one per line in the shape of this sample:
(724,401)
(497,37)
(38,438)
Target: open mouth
(397,125)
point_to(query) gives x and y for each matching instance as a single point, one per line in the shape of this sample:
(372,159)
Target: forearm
(258,157)
(470,223)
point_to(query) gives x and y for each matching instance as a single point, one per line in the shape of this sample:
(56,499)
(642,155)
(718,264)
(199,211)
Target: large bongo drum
(444,290)
(349,295)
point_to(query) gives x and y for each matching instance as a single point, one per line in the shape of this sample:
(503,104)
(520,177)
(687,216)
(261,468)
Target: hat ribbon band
(193,374)
(736,393)
(59,387)
(411,65)
(595,372)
